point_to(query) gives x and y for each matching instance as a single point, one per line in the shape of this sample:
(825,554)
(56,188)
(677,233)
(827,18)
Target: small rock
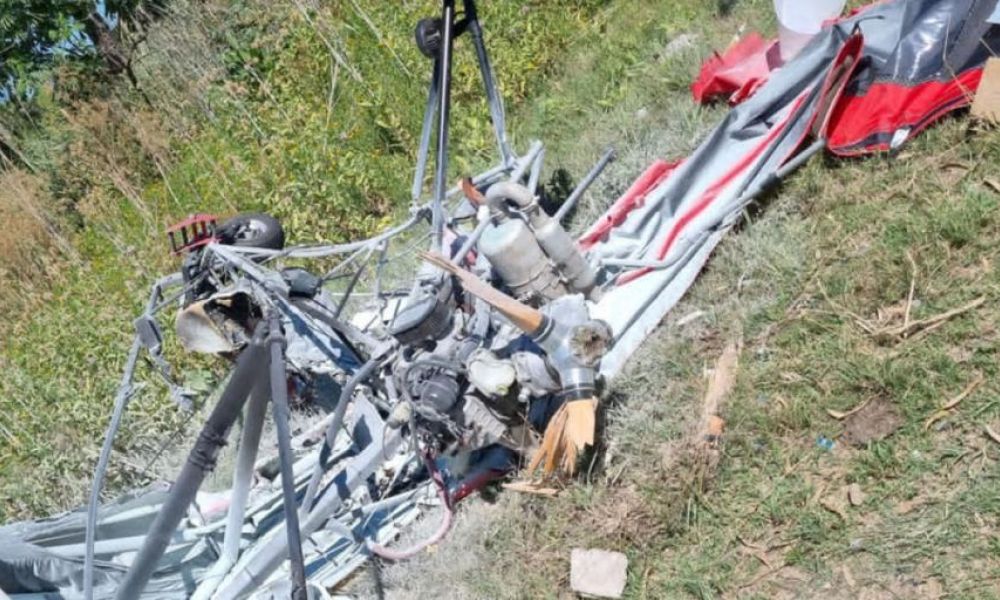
(597,573)
(943,425)
(855,495)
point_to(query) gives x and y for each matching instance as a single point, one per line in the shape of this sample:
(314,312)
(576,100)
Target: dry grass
(30,243)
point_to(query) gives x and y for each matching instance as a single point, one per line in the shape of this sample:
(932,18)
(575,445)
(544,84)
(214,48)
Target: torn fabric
(891,51)
(738,72)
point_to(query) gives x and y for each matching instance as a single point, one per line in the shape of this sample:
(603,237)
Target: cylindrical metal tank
(513,251)
(550,236)
(563,251)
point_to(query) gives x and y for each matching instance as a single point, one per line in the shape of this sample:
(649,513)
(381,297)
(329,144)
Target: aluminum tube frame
(122,397)
(536,172)
(281,412)
(471,241)
(745,198)
(346,394)
(497,114)
(425,136)
(324,250)
(582,187)
(526,161)
(200,460)
(741,203)
(256,566)
(444,110)
(183,537)
(253,427)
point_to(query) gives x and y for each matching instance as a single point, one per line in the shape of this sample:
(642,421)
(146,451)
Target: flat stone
(597,573)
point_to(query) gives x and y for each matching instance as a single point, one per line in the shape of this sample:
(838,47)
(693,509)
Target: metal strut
(279,404)
(200,461)
(444,107)
(438,109)
(248,376)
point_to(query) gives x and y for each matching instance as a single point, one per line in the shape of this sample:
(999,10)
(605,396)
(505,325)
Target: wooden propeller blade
(471,193)
(566,436)
(524,317)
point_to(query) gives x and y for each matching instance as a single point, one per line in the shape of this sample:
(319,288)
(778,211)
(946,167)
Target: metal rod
(323,250)
(444,107)
(253,426)
(320,312)
(679,252)
(281,412)
(122,397)
(536,172)
(526,161)
(200,461)
(350,288)
(425,136)
(470,241)
(379,271)
(335,272)
(489,82)
(801,158)
(346,394)
(484,177)
(121,403)
(775,179)
(184,537)
(258,565)
(746,198)
(584,185)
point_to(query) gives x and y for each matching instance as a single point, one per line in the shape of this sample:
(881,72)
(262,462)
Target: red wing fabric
(867,82)
(923,62)
(738,72)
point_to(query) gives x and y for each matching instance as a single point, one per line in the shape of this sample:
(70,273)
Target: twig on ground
(993,435)
(840,416)
(720,384)
(908,330)
(527,487)
(950,405)
(913,287)
(992,184)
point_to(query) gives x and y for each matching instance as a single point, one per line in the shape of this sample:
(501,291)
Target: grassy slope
(254,106)
(837,248)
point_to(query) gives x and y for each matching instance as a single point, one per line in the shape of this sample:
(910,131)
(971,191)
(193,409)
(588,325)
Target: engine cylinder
(512,249)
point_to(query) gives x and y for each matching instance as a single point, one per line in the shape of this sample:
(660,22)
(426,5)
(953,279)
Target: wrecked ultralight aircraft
(441,369)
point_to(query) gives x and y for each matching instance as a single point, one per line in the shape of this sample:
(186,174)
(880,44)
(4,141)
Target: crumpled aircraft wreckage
(496,347)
